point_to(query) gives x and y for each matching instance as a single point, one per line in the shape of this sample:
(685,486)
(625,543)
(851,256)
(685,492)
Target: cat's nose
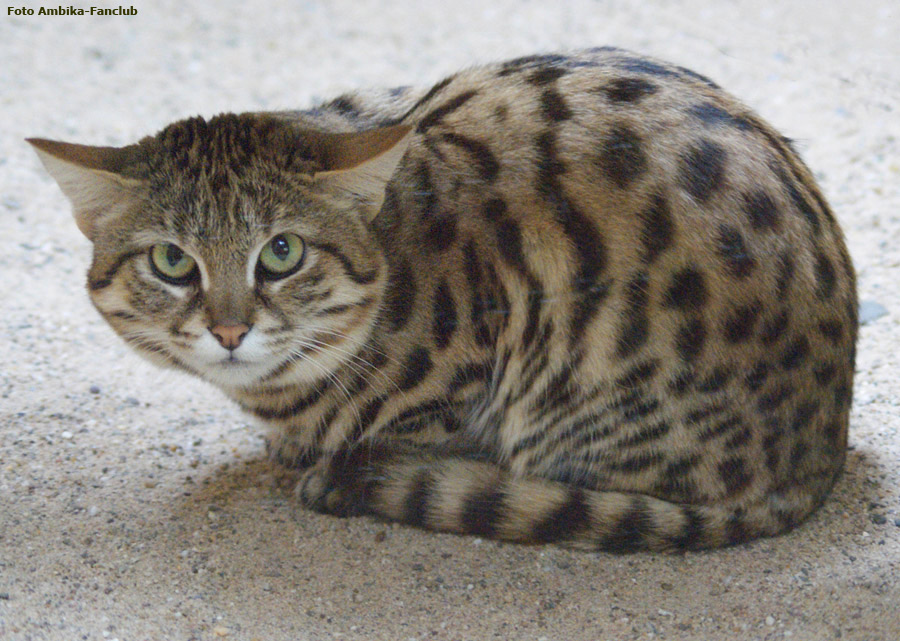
(230,336)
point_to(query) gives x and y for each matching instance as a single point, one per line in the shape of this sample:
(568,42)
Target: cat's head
(239,248)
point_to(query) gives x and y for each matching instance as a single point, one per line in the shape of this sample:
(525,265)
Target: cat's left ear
(92,178)
(360,164)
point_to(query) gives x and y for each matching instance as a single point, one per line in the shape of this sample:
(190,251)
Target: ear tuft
(91,178)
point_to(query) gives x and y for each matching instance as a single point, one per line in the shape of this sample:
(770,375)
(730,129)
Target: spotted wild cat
(588,299)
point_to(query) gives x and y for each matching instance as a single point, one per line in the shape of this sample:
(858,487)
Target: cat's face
(234,249)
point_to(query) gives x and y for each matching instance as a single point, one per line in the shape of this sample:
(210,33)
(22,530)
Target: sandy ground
(136,505)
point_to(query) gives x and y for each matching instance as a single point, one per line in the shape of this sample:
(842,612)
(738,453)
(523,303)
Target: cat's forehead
(231,145)
(231,175)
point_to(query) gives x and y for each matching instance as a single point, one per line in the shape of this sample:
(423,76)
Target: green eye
(171,264)
(281,257)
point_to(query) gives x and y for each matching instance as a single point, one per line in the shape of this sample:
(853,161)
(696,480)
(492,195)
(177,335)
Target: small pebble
(770,620)
(66,435)
(94,389)
(870,311)
(878,519)
(220,631)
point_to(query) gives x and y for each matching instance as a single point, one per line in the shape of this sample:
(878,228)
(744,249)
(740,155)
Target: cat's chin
(234,374)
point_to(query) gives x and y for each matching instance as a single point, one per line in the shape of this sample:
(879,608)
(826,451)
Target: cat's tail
(477,498)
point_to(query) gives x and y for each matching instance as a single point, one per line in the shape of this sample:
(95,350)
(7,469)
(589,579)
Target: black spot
(343,105)
(717,379)
(494,209)
(730,424)
(551,61)
(415,506)
(795,353)
(734,474)
(559,391)
(554,107)
(696,76)
(800,202)
(577,227)
(843,396)
(690,339)
(704,413)
(734,252)
(713,116)
(761,210)
(481,513)
(682,467)
(639,65)
(565,521)
(636,408)
(400,295)
(637,323)
(297,406)
(773,400)
(444,323)
(437,115)
(474,277)
(441,233)
(646,434)
(622,159)
(659,228)
(629,533)
(104,281)
(509,241)
(825,276)
(366,417)
(628,89)
(740,323)
(736,528)
(692,533)
(584,309)
(738,440)
(431,94)
(424,193)
(637,375)
(360,278)
(824,373)
(418,417)
(549,166)
(486,162)
(501,113)
(687,291)
(547,75)
(803,415)
(774,328)
(535,299)
(786,269)
(832,329)
(757,376)
(702,170)
(683,381)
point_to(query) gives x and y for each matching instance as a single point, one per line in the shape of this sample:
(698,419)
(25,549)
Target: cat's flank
(584,298)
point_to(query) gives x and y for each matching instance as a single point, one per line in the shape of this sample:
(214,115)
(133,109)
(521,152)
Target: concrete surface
(136,505)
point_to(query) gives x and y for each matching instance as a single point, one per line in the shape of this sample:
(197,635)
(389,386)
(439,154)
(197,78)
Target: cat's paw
(288,453)
(321,490)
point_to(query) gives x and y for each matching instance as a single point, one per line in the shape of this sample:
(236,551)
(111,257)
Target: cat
(587,298)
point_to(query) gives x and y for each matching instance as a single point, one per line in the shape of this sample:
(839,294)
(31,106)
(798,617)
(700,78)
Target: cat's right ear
(91,178)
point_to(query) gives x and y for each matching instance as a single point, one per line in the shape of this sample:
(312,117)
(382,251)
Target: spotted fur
(588,299)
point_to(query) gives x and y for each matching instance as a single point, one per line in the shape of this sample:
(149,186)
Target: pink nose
(230,336)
